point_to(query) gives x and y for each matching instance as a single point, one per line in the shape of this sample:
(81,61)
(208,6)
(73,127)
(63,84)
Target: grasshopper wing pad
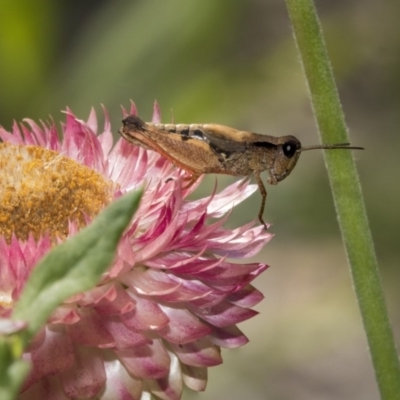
(191,154)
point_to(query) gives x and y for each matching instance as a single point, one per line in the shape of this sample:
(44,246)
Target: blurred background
(235,63)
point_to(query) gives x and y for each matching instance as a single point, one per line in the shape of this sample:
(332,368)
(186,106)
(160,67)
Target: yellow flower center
(41,190)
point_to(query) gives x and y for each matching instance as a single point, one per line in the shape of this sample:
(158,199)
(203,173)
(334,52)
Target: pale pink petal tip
(92,120)
(107,124)
(125,113)
(156,119)
(133,109)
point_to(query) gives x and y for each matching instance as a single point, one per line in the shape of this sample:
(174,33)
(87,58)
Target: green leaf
(12,370)
(74,266)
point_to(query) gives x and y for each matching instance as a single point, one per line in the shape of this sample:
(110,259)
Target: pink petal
(107,292)
(200,353)
(92,120)
(87,377)
(123,336)
(169,388)
(151,282)
(184,263)
(90,330)
(47,388)
(230,197)
(147,315)
(228,276)
(82,144)
(109,299)
(247,297)
(229,337)
(188,291)
(223,314)
(147,362)
(64,315)
(120,385)
(14,138)
(122,304)
(183,327)
(159,242)
(194,378)
(62,358)
(156,119)
(133,109)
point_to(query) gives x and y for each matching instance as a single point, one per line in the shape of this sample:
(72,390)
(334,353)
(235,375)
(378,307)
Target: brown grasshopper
(211,148)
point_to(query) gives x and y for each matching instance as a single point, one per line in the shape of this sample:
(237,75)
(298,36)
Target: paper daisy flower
(175,292)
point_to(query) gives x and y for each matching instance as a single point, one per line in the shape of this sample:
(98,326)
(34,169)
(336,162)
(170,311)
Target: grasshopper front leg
(263,192)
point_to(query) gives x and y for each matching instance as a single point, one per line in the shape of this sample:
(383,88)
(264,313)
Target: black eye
(289,148)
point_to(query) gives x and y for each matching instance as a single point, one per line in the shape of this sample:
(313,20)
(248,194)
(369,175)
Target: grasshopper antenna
(332,147)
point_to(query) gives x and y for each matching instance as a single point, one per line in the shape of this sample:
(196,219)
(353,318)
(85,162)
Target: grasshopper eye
(290,148)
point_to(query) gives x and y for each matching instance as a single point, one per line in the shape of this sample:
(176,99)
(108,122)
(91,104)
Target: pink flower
(170,300)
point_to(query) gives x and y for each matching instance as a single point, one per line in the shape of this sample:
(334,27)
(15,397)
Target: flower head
(171,299)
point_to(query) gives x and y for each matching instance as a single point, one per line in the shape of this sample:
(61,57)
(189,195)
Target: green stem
(347,196)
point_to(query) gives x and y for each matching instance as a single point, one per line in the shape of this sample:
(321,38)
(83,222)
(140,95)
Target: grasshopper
(212,148)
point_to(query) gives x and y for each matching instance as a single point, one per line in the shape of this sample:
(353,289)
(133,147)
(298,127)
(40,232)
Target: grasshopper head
(288,150)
